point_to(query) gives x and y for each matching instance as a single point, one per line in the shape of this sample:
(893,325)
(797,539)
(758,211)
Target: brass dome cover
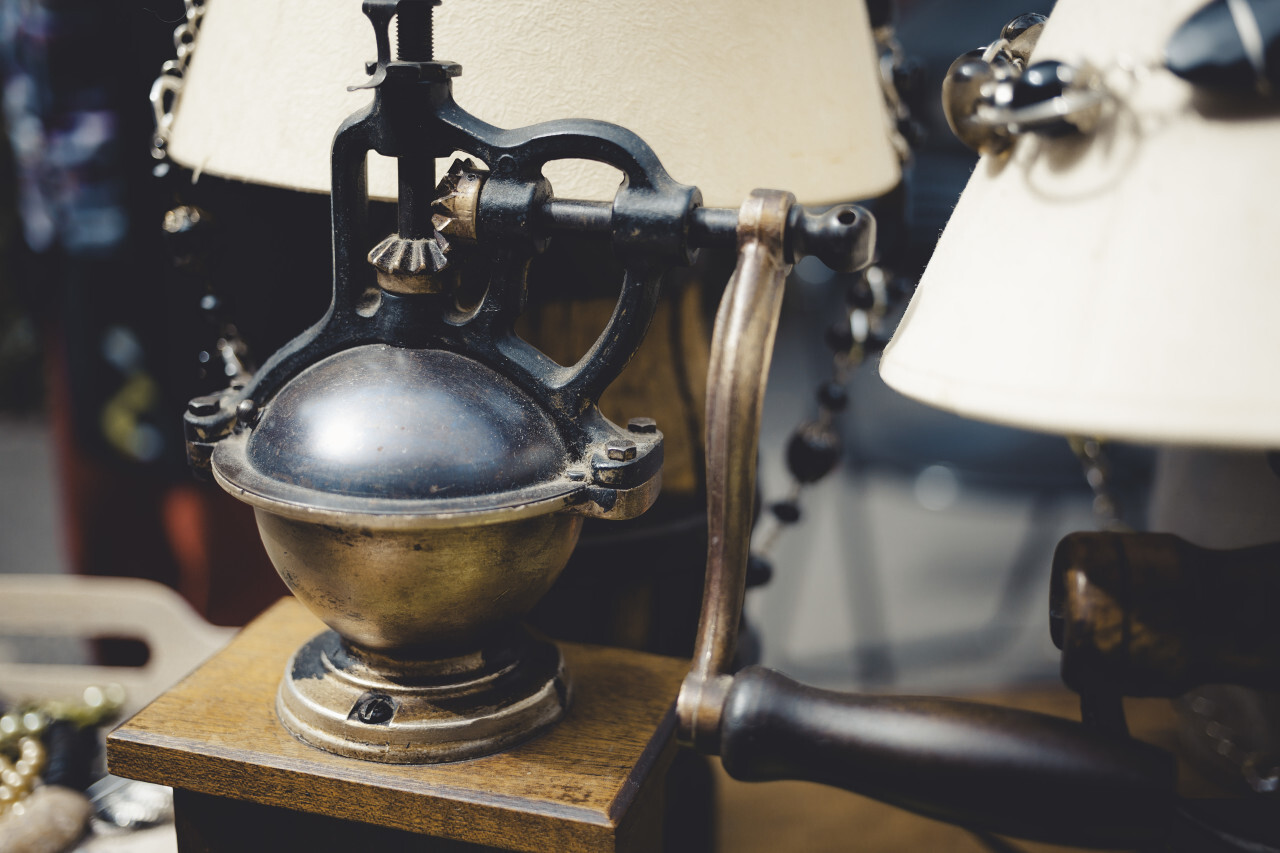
(383,430)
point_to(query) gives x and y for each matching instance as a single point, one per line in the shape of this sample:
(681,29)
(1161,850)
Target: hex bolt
(374,710)
(621,449)
(644,426)
(204,406)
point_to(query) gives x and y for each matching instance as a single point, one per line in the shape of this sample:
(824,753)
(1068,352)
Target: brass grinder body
(371,475)
(418,470)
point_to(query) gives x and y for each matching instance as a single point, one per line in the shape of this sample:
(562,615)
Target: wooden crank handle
(1001,770)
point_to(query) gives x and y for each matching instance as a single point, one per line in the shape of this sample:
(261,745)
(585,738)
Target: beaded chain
(995,94)
(814,448)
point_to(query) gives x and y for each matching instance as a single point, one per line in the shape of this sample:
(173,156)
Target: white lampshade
(1125,284)
(731,94)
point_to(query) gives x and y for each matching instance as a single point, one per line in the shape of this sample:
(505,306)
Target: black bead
(860,295)
(72,752)
(788,512)
(875,344)
(1021,24)
(1042,82)
(759,571)
(833,397)
(1207,50)
(812,452)
(839,336)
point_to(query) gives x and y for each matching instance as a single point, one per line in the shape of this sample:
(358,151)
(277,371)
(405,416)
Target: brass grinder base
(367,706)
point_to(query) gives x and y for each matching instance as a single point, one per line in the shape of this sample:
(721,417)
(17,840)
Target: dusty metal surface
(422,712)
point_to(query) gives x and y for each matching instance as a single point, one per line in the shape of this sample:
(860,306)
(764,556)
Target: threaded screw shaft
(414,36)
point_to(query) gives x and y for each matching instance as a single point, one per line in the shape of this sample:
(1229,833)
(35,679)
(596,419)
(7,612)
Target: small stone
(51,820)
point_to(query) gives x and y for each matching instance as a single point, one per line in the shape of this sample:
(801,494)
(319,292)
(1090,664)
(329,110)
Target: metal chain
(1097,471)
(891,62)
(861,332)
(167,88)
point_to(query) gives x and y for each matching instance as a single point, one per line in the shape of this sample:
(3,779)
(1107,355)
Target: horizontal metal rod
(709,226)
(843,237)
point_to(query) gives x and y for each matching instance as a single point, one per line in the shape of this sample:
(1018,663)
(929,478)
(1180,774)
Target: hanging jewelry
(995,94)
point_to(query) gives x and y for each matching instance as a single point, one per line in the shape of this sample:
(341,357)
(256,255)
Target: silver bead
(1022,33)
(971,82)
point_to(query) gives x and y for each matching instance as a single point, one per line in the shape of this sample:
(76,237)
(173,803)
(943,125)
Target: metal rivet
(621,450)
(642,425)
(246,411)
(375,710)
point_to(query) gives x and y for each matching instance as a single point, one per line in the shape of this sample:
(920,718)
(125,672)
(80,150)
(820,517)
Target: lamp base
(361,705)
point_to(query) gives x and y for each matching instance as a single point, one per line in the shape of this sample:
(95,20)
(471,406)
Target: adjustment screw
(642,425)
(621,450)
(202,407)
(375,710)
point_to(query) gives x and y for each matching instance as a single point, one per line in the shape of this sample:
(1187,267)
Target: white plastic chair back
(85,607)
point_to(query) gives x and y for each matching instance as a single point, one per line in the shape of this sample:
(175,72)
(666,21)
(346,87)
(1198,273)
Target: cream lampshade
(1122,284)
(732,95)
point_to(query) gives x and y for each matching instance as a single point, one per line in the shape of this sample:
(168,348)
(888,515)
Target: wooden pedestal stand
(242,783)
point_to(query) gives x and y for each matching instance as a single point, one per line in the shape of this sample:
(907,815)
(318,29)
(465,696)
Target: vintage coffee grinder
(419,473)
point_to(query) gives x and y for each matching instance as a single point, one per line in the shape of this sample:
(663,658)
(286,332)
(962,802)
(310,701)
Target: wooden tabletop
(570,789)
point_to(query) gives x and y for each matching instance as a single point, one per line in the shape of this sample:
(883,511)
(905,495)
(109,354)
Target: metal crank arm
(995,769)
